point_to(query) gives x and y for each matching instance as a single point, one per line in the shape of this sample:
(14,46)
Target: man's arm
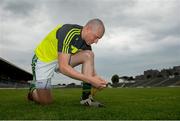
(66,69)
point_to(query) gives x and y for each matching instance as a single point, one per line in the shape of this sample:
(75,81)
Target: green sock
(33,65)
(86,90)
(32,87)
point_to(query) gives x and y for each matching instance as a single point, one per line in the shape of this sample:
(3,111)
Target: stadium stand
(170,82)
(153,78)
(152,82)
(156,82)
(12,76)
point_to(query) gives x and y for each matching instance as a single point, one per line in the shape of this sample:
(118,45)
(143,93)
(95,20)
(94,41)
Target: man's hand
(94,89)
(98,82)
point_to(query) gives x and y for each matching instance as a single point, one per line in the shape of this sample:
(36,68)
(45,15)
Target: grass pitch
(121,103)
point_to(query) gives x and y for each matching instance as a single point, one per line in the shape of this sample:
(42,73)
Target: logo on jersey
(77,38)
(73,49)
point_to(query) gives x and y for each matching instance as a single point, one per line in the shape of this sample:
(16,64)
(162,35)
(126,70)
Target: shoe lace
(91,98)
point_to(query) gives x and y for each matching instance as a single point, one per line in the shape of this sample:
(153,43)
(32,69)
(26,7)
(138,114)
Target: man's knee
(88,54)
(44,96)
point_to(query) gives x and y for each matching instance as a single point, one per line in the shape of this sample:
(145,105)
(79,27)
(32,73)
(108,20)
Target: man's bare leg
(86,58)
(42,96)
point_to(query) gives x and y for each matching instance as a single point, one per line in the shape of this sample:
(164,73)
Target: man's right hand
(97,82)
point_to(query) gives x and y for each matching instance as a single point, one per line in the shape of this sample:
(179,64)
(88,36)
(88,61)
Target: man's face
(92,37)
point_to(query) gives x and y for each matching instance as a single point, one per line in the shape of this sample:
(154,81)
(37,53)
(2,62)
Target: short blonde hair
(96,24)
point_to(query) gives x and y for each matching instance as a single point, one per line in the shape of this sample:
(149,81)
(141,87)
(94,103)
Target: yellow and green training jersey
(64,38)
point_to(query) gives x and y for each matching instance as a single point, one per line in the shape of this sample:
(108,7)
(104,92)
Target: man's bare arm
(66,69)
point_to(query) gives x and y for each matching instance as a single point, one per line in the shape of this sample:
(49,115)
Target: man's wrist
(87,79)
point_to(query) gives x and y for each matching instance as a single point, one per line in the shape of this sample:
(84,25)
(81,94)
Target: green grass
(126,103)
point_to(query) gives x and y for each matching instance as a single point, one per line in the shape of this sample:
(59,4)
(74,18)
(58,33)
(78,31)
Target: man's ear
(88,28)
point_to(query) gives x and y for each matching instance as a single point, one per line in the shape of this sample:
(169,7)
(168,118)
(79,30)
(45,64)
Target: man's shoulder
(67,35)
(66,28)
(71,26)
